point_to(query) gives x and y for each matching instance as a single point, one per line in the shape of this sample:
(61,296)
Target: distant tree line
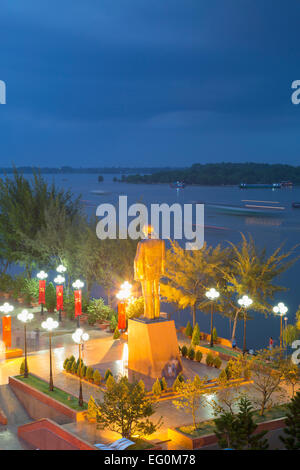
(221,174)
(68,169)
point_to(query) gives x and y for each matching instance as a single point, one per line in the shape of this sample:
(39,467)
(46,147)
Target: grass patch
(57,394)
(223,350)
(140,444)
(207,427)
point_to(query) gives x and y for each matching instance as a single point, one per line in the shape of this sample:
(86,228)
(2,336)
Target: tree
(290,374)
(267,378)
(228,393)
(126,409)
(196,335)
(291,439)
(192,396)
(239,431)
(23,204)
(251,271)
(135,309)
(188,330)
(188,275)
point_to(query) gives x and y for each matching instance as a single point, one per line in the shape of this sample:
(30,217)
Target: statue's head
(148,231)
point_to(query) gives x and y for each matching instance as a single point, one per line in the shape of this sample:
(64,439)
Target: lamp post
(25,317)
(280,310)
(42,276)
(79,337)
(50,325)
(123,295)
(59,281)
(212,294)
(245,302)
(77,286)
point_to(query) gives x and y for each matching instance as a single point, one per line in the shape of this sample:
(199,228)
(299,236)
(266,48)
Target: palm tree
(189,274)
(251,271)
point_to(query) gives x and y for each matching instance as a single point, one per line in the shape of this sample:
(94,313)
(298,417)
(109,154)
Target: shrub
(30,290)
(215,336)
(188,329)
(184,350)
(217,362)
(196,335)
(142,385)
(156,389)
(97,377)
(72,358)
(6,282)
(117,333)
(89,373)
(74,367)
(50,297)
(163,384)
(198,356)
(69,305)
(176,385)
(210,360)
(107,374)
(110,382)
(69,366)
(98,311)
(223,376)
(22,367)
(65,363)
(17,287)
(113,322)
(83,371)
(191,353)
(135,309)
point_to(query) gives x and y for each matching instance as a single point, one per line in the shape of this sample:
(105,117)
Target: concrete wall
(44,434)
(38,405)
(186,442)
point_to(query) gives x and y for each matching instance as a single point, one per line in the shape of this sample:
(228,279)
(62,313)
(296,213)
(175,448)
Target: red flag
(6,331)
(77,296)
(59,298)
(121,316)
(42,287)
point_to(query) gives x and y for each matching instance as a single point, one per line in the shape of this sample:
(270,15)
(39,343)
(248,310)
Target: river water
(269,232)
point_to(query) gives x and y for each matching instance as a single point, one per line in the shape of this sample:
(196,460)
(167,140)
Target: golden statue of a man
(149,266)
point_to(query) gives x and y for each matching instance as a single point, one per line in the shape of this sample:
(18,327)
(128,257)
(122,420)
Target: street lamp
(77,286)
(50,325)
(42,276)
(59,281)
(61,269)
(6,308)
(212,294)
(79,337)
(25,317)
(123,296)
(245,303)
(280,310)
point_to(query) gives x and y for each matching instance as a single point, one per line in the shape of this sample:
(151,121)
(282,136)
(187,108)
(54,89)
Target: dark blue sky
(149,82)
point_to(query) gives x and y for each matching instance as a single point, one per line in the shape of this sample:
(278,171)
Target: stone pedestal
(153,347)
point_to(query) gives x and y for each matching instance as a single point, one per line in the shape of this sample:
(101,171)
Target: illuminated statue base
(153,347)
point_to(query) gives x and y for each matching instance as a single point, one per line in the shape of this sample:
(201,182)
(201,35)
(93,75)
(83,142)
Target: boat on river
(248,209)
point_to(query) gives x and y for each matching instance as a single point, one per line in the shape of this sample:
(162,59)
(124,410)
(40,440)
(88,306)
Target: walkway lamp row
(59,281)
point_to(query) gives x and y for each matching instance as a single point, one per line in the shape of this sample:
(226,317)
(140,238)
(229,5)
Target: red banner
(121,316)
(6,331)
(42,288)
(77,296)
(59,298)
